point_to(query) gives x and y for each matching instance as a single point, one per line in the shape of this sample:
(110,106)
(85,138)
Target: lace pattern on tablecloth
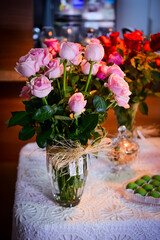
(103,212)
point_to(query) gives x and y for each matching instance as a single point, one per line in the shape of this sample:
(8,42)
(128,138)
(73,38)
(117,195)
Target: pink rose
(122,101)
(42,55)
(116,58)
(26,92)
(52,51)
(77,103)
(27,66)
(120,88)
(40,86)
(102,72)
(77,60)
(95,40)
(55,69)
(53,46)
(53,43)
(94,52)
(118,85)
(85,66)
(69,50)
(116,69)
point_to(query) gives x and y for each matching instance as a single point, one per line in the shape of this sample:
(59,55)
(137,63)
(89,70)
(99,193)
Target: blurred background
(25,24)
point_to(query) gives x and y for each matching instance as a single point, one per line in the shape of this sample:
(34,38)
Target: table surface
(103,212)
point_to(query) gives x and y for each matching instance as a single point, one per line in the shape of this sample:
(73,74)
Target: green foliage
(88,123)
(99,104)
(26,133)
(43,113)
(21,118)
(42,138)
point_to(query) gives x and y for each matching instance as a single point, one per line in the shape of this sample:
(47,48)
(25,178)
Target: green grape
(156,177)
(146,178)
(131,185)
(139,182)
(154,194)
(155,183)
(148,187)
(141,191)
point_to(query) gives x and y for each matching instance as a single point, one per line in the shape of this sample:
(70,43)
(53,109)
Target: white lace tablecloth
(103,213)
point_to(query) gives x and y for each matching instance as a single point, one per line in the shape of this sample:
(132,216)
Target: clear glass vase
(126,117)
(68,181)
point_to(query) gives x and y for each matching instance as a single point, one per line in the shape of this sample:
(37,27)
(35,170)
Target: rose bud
(94,52)
(69,50)
(77,103)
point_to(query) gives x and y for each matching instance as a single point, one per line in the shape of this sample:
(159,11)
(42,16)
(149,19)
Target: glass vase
(68,181)
(126,117)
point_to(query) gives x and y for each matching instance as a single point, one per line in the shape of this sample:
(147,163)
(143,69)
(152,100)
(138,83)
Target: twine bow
(68,151)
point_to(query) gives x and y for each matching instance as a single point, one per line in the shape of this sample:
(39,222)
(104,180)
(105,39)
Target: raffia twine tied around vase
(68,151)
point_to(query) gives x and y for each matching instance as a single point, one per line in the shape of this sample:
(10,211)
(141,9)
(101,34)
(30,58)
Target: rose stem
(64,77)
(89,76)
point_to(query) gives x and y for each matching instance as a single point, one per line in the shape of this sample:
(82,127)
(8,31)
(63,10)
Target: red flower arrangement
(137,58)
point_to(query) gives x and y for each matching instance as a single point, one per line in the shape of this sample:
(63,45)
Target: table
(103,213)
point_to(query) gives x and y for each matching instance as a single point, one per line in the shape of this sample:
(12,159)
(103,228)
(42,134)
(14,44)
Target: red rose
(106,42)
(133,40)
(157,62)
(114,38)
(138,32)
(155,42)
(146,46)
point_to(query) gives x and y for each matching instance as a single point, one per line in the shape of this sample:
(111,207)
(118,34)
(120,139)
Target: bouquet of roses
(67,97)
(137,58)
(67,94)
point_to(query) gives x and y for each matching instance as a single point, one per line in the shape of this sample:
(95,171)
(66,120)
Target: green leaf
(60,110)
(26,133)
(99,104)
(54,107)
(60,117)
(143,108)
(83,139)
(89,123)
(43,113)
(33,104)
(52,135)
(19,118)
(42,138)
